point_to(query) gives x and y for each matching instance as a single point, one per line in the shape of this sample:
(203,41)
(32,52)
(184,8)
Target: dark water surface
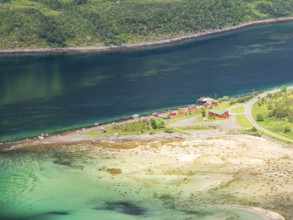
(45,93)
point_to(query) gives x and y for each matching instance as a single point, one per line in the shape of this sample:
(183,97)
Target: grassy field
(238,109)
(138,126)
(275,113)
(188,114)
(223,105)
(63,23)
(147,125)
(195,127)
(242,121)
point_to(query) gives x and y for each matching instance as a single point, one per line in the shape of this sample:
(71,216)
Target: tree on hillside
(52,32)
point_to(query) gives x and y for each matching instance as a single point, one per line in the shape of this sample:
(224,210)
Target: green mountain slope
(63,23)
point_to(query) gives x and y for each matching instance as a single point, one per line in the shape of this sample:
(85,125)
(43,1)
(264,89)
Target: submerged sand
(250,176)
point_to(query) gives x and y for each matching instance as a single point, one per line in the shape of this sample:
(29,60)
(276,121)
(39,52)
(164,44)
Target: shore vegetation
(138,126)
(71,23)
(230,101)
(275,112)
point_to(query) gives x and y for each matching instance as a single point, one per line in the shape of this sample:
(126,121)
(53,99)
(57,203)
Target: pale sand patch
(246,167)
(266,214)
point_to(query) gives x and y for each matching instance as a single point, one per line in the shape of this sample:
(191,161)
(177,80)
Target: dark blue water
(45,93)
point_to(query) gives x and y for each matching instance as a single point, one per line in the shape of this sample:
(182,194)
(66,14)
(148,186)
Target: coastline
(87,127)
(168,158)
(198,165)
(73,132)
(64,136)
(127,47)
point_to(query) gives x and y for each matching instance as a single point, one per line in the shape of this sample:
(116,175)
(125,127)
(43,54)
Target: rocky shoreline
(128,47)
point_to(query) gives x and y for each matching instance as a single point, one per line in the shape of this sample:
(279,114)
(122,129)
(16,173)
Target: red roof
(155,114)
(172,113)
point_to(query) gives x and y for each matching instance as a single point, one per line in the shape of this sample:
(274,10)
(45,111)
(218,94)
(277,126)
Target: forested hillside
(63,23)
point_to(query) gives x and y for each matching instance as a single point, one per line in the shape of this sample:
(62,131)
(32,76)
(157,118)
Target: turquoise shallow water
(71,183)
(46,93)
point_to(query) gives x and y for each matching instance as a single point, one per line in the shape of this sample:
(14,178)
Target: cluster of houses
(203,103)
(210,103)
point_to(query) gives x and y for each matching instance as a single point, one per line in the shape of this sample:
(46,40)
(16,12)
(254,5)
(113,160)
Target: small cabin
(221,113)
(191,107)
(203,100)
(181,112)
(155,114)
(172,113)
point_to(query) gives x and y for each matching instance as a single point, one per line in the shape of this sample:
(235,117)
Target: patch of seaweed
(58,213)
(114,171)
(126,144)
(125,207)
(200,213)
(63,162)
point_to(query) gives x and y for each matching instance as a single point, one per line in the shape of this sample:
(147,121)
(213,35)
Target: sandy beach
(128,47)
(240,173)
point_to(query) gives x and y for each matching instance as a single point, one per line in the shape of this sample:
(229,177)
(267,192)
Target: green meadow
(275,112)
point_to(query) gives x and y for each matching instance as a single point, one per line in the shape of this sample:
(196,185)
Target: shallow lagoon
(170,181)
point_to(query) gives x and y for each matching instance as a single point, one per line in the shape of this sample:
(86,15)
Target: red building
(172,113)
(221,113)
(155,114)
(191,107)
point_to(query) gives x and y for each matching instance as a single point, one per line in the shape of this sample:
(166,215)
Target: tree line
(61,23)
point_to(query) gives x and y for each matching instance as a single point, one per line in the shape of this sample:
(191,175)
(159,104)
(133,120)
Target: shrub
(157,123)
(284,89)
(80,2)
(270,107)
(269,95)
(153,123)
(226,98)
(233,101)
(259,117)
(114,171)
(52,32)
(287,129)
(160,123)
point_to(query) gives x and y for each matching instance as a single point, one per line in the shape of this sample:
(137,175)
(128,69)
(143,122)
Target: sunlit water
(45,93)
(71,183)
